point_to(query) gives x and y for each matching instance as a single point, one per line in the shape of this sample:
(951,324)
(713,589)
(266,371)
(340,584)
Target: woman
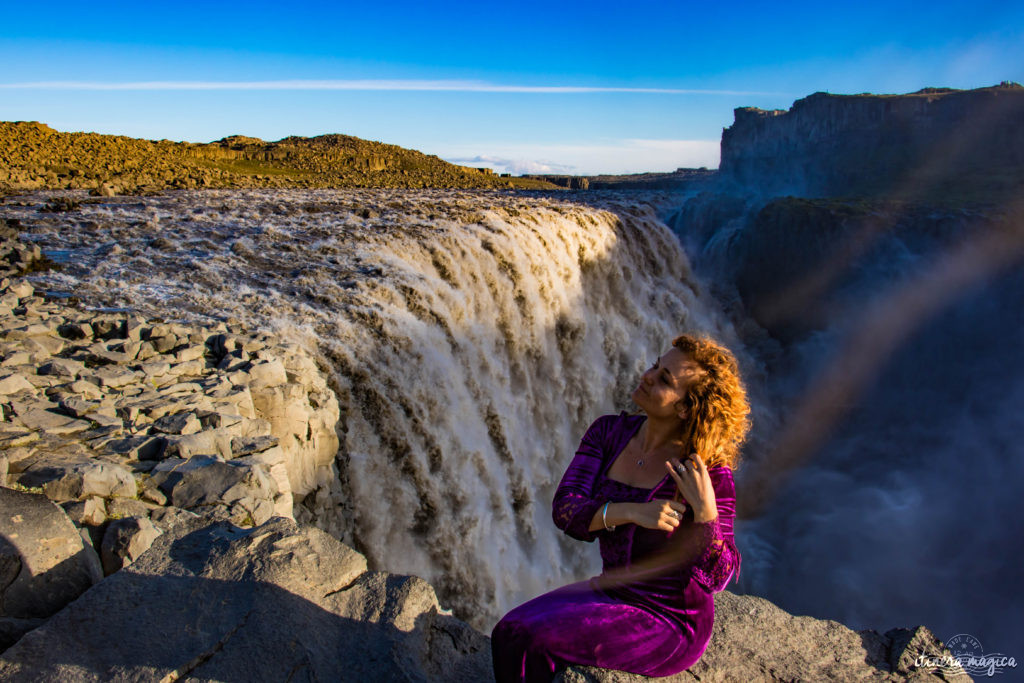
(666,537)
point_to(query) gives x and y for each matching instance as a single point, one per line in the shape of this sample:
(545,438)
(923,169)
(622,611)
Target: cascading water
(471,339)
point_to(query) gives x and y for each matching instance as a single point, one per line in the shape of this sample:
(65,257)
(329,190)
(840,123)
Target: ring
(681,469)
(675,513)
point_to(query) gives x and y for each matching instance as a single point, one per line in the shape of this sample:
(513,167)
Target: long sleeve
(714,568)
(574,505)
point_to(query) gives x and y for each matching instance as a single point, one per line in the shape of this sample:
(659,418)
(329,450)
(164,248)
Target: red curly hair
(717,402)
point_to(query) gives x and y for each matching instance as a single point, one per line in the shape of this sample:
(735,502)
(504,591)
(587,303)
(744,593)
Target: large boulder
(275,602)
(44,563)
(754,640)
(243,488)
(76,477)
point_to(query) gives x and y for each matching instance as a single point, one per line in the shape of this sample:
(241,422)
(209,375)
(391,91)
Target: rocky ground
(155,481)
(34,156)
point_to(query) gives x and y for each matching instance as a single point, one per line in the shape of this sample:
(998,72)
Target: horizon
(610,90)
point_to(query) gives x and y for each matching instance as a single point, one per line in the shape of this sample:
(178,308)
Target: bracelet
(604,518)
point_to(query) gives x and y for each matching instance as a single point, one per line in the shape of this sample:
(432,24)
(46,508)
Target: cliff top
(935,144)
(928,93)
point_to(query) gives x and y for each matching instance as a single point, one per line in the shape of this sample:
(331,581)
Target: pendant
(640,463)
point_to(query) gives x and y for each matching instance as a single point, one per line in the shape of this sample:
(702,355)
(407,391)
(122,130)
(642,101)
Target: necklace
(640,461)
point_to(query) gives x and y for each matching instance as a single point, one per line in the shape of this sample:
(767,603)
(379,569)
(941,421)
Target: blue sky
(518,86)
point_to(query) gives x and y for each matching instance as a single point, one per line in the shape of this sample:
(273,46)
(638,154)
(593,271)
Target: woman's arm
(704,549)
(714,567)
(574,507)
(655,514)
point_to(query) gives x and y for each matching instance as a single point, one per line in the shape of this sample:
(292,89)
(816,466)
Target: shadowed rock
(44,563)
(276,602)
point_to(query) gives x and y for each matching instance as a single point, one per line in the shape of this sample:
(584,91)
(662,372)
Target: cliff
(933,143)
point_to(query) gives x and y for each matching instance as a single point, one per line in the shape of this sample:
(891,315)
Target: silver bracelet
(604,517)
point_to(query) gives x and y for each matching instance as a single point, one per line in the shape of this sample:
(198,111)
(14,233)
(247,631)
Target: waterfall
(471,337)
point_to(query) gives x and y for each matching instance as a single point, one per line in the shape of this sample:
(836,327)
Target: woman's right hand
(658,514)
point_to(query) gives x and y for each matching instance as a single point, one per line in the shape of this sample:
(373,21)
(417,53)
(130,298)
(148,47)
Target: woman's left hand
(695,486)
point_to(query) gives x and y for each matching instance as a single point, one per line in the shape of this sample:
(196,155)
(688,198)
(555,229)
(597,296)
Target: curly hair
(717,402)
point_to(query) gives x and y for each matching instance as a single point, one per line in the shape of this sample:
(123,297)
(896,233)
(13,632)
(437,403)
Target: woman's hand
(695,486)
(658,514)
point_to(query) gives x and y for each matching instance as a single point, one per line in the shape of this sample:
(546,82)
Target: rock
(52,423)
(203,481)
(75,331)
(209,442)
(11,630)
(110,376)
(62,367)
(268,374)
(70,479)
(153,495)
(78,407)
(190,353)
(12,384)
(827,144)
(21,289)
(180,423)
(246,445)
(155,368)
(306,434)
(164,344)
(119,508)
(88,388)
(752,636)
(43,562)
(90,511)
(221,594)
(138,447)
(16,358)
(9,440)
(124,542)
(166,518)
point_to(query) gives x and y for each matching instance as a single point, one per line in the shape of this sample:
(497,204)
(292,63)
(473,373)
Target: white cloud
(363,84)
(613,157)
(514,166)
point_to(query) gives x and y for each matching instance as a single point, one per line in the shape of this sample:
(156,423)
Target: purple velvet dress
(651,609)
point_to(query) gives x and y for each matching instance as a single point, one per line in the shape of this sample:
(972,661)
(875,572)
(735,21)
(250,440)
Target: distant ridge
(34,156)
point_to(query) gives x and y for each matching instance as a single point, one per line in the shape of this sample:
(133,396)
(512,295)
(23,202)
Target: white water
(471,338)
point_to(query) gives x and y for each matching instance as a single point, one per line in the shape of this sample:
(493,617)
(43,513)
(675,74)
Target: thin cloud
(514,166)
(365,84)
(612,156)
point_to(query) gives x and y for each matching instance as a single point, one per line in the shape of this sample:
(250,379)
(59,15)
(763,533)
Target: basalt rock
(203,600)
(936,142)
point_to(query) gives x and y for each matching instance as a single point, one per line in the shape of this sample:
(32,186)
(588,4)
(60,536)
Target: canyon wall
(930,143)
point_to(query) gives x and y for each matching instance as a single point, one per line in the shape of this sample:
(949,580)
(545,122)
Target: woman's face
(664,385)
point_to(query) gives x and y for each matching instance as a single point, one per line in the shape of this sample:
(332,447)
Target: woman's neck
(659,433)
